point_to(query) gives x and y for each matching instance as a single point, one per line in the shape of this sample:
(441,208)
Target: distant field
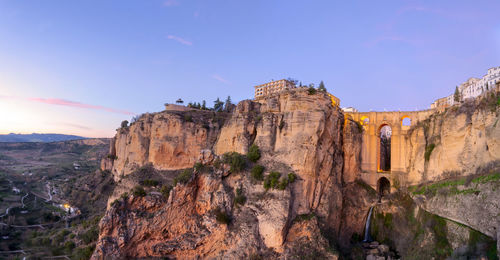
(70,169)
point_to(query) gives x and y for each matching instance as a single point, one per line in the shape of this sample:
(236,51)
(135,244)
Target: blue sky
(81,67)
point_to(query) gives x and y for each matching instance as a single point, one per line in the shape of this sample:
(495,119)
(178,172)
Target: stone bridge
(372,122)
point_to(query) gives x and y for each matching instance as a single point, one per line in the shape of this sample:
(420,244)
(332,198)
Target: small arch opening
(383,186)
(365,120)
(406,121)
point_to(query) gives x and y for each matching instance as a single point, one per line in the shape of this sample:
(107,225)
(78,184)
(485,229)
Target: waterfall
(367,226)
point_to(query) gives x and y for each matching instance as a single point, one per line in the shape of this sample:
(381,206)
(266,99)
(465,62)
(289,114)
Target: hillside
(13,138)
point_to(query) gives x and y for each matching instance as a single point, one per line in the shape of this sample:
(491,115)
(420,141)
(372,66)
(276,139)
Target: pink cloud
(69,103)
(221,79)
(179,40)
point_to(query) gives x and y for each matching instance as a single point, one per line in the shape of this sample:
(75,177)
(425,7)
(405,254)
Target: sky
(81,67)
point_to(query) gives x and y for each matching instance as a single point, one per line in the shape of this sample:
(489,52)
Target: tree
(456,96)
(218,105)
(179,101)
(124,123)
(204,105)
(228,104)
(322,87)
(294,81)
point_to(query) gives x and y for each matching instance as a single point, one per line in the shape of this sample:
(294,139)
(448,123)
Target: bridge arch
(384,134)
(383,186)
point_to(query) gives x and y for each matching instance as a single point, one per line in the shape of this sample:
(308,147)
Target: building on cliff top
(277,86)
(272,87)
(349,109)
(471,88)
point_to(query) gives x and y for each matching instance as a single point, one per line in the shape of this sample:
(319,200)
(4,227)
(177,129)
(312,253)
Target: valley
(51,198)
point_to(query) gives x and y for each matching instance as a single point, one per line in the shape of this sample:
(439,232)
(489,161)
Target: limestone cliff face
(352,141)
(169,140)
(295,132)
(460,141)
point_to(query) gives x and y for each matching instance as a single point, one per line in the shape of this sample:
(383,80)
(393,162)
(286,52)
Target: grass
(432,188)
(451,186)
(487,178)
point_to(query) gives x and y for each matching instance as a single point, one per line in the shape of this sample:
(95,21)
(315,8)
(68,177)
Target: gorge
(188,184)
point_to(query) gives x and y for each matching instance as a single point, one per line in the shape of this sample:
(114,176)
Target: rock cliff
(297,134)
(308,196)
(169,140)
(462,140)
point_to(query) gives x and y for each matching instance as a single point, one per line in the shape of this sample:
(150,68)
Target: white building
(474,87)
(272,87)
(471,88)
(349,109)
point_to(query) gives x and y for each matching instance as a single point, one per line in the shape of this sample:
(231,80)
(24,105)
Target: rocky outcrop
(169,140)
(296,133)
(474,202)
(460,141)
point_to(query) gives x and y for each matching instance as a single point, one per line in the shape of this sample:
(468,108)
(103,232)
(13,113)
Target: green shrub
(198,166)
(139,191)
(253,153)
(222,217)
(311,91)
(90,235)
(258,172)
(217,163)
(112,156)
(149,182)
(283,183)
(271,181)
(240,198)
(183,177)
(235,160)
(165,190)
(292,177)
(83,253)
(428,151)
(304,217)
(146,168)
(188,118)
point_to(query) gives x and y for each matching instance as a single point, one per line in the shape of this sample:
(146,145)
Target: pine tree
(204,105)
(218,105)
(228,104)
(322,87)
(456,96)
